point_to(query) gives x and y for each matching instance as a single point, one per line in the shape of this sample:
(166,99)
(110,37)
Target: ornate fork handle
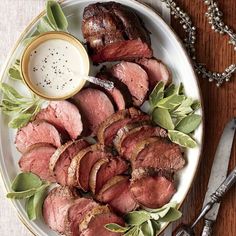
(208,230)
(224,187)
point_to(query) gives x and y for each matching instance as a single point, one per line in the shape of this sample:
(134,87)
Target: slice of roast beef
(76,214)
(152,189)
(136,79)
(61,159)
(156,70)
(114,32)
(94,106)
(36,160)
(37,132)
(105,169)
(96,226)
(115,95)
(109,128)
(158,153)
(81,165)
(64,116)
(55,207)
(128,137)
(117,194)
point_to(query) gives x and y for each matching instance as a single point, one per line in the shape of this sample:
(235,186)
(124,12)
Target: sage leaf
(26,41)
(182,139)
(133,231)
(22,194)
(14,73)
(44,25)
(116,228)
(157,94)
(170,102)
(34,204)
(183,109)
(56,16)
(173,89)
(173,215)
(26,181)
(189,123)
(196,105)
(10,91)
(147,229)
(162,117)
(137,217)
(20,121)
(156,226)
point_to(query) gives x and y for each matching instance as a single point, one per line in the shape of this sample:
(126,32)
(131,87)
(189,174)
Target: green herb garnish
(173,110)
(30,187)
(21,108)
(146,223)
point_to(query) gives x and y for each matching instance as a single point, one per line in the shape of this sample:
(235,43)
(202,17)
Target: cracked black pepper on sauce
(55,67)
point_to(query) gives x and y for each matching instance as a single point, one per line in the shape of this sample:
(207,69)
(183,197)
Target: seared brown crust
(74,170)
(56,205)
(55,157)
(106,24)
(36,158)
(113,181)
(122,114)
(60,160)
(95,211)
(167,155)
(94,172)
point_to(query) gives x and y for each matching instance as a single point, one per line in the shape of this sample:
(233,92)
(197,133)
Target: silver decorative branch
(214,16)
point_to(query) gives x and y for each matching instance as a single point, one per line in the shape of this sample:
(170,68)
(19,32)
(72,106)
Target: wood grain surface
(219,106)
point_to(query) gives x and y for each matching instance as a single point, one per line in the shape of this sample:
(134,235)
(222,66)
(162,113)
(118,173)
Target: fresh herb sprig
(146,223)
(173,110)
(21,108)
(14,104)
(30,187)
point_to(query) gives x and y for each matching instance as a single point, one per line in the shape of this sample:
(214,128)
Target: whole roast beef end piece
(115,32)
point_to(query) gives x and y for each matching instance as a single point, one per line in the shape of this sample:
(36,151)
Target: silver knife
(218,183)
(218,174)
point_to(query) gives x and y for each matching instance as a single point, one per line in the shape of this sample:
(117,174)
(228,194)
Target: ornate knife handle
(224,187)
(207,230)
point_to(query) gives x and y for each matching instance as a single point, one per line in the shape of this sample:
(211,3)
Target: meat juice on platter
(133,162)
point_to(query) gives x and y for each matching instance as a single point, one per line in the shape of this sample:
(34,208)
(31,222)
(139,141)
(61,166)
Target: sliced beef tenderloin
(63,115)
(94,106)
(115,95)
(61,159)
(114,32)
(105,169)
(128,137)
(136,79)
(158,153)
(36,160)
(81,165)
(55,207)
(76,214)
(109,128)
(157,71)
(96,226)
(151,188)
(37,132)
(117,194)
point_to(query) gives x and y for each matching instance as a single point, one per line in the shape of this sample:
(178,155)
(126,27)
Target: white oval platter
(167,47)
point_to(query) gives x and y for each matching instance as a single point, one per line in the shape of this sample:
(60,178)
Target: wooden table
(219,106)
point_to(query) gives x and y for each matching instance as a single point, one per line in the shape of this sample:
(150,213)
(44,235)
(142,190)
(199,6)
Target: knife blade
(219,171)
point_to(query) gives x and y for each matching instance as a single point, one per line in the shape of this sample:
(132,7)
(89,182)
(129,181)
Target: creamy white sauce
(55,68)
